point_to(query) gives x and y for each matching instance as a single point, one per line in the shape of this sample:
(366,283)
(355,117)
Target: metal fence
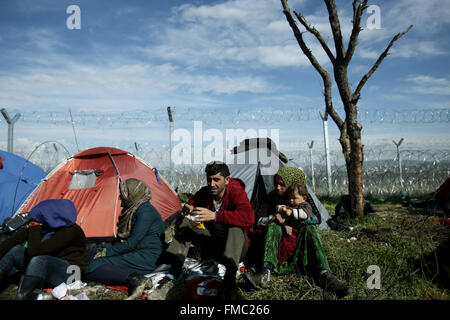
(422,169)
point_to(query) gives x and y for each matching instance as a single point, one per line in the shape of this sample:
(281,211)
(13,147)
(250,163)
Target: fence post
(310,146)
(169,112)
(11,123)
(397,144)
(327,150)
(73,128)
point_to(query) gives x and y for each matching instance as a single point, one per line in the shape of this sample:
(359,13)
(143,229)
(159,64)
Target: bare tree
(350,128)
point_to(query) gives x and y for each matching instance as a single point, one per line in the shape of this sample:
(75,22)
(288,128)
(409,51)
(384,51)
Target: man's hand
(187,209)
(203,214)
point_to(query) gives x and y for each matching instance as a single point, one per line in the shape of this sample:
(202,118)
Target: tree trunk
(351,134)
(352,149)
(354,171)
(354,162)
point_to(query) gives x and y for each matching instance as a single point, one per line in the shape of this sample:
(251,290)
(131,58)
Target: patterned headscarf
(133,193)
(290,175)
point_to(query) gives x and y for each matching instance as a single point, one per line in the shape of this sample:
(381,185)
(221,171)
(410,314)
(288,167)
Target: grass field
(393,239)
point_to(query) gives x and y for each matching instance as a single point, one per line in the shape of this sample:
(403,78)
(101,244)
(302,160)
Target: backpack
(11,225)
(343,209)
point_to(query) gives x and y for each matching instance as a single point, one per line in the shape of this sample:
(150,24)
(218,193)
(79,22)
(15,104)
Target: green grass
(394,240)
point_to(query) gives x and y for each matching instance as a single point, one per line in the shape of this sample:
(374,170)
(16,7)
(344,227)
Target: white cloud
(426,84)
(408,49)
(404,49)
(223,11)
(234,31)
(120,86)
(428,17)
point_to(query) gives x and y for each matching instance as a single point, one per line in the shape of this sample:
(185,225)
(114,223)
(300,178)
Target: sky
(207,59)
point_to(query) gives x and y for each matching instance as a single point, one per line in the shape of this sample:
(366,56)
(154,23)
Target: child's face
(295,199)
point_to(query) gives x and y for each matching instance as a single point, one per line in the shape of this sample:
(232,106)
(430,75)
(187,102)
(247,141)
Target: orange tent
(91,180)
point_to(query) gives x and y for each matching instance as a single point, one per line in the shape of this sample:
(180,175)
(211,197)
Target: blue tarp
(18,178)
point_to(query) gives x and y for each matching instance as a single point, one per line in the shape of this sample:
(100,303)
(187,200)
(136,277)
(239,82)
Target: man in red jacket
(218,219)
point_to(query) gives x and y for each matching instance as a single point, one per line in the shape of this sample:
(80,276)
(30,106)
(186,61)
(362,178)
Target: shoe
(329,282)
(136,285)
(29,288)
(260,280)
(4,280)
(93,288)
(229,292)
(162,289)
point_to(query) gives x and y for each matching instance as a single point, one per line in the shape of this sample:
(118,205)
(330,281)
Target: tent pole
(115,166)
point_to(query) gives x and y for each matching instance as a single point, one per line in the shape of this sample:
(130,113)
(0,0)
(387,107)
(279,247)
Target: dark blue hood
(54,213)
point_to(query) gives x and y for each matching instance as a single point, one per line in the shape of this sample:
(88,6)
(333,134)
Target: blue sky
(145,55)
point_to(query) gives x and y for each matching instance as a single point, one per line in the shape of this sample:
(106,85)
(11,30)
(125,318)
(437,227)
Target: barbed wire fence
(423,169)
(229,116)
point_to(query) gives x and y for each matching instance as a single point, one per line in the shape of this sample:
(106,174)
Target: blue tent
(18,178)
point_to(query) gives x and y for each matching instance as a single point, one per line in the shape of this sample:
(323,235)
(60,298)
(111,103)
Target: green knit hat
(290,175)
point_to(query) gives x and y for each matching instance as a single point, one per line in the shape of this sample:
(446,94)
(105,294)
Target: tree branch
(316,33)
(357,93)
(323,73)
(357,13)
(299,37)
(336,118)
(336,29)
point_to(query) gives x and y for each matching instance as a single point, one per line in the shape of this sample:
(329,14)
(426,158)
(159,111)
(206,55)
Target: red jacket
(236,209)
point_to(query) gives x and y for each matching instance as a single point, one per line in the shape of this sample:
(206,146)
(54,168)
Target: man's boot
(4,280)
(260,280)
(29,287)
(329,282)
(229,288)
(163,288)
(136,285)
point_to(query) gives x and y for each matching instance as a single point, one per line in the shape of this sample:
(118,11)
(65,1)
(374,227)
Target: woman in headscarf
(285,253)
(138,246)
(53,243)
